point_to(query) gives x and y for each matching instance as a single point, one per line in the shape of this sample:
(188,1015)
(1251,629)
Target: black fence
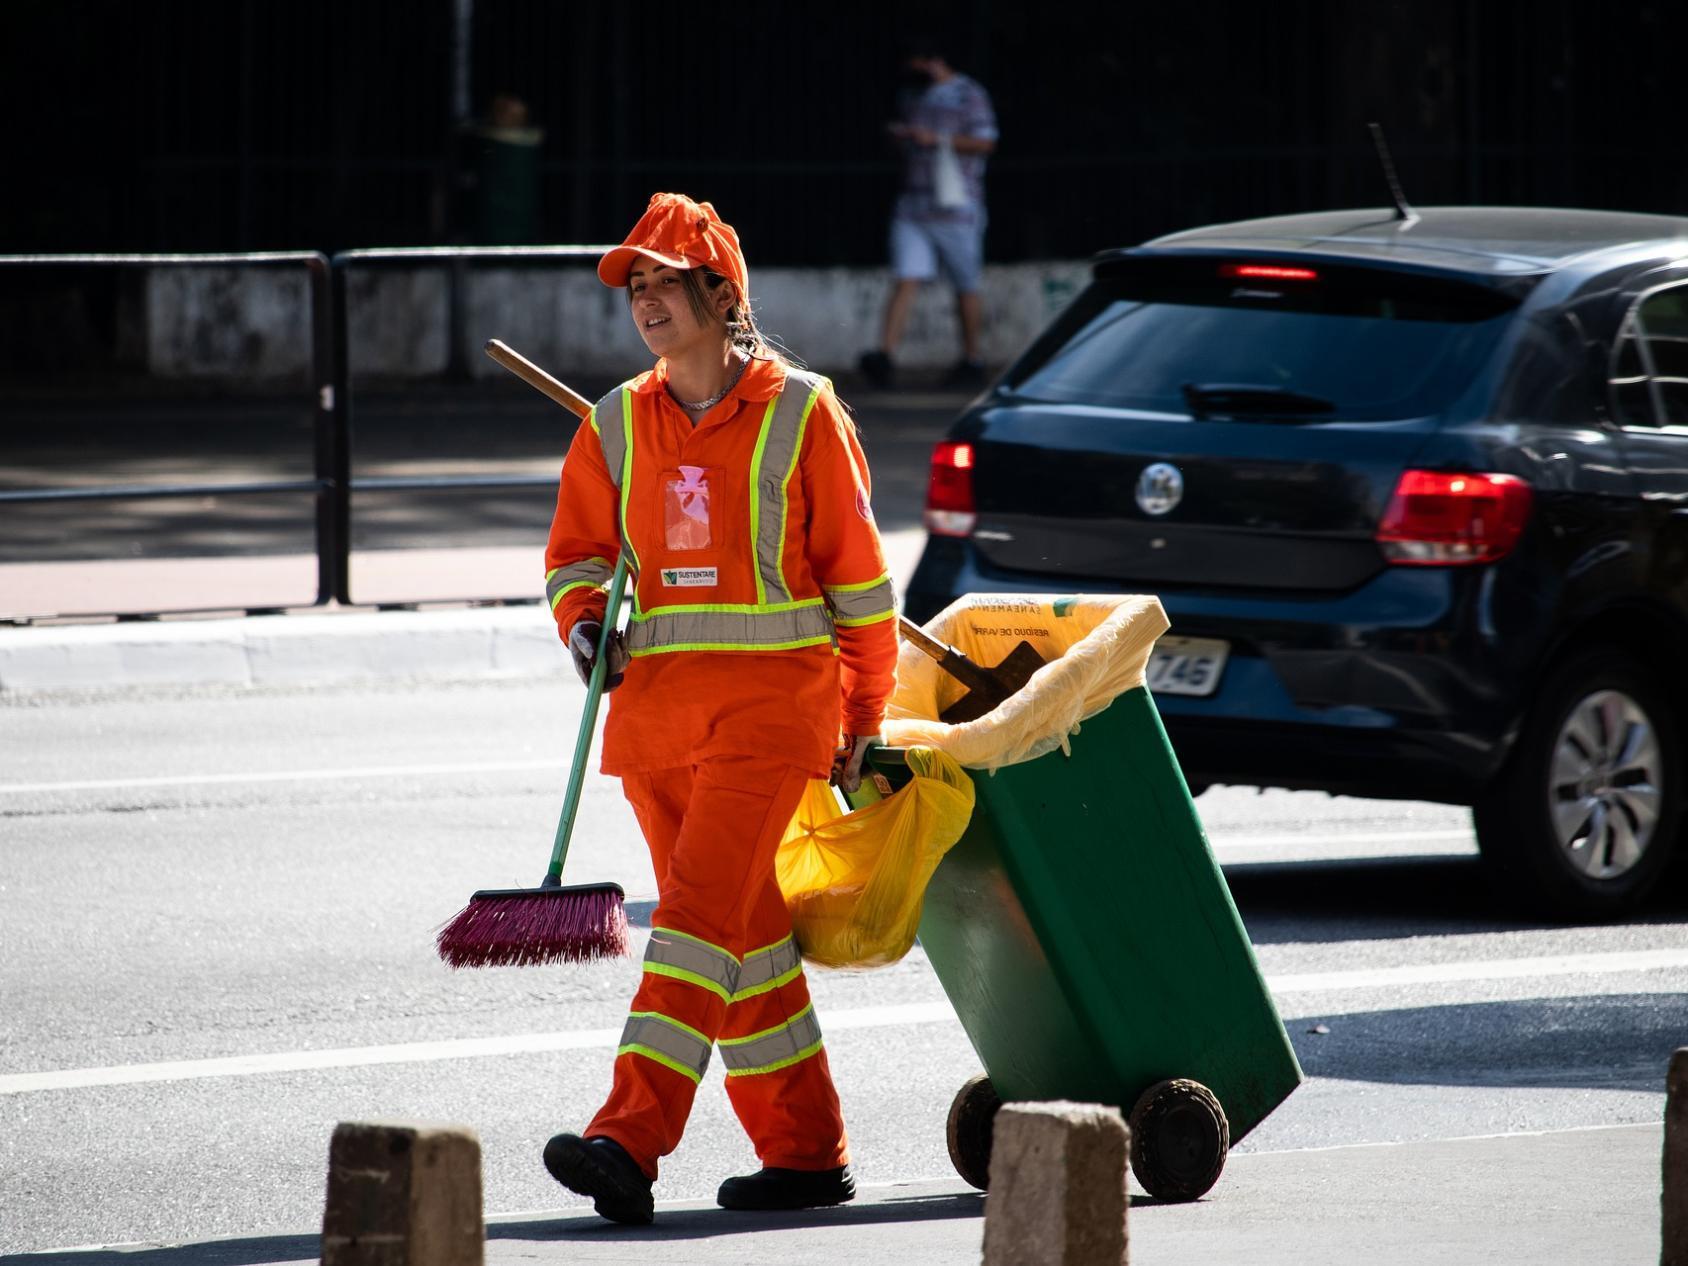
(327,124)
(299,460)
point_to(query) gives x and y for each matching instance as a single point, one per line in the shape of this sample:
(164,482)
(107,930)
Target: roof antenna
(1403,212)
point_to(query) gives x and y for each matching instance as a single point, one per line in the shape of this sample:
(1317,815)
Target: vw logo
(1159,488)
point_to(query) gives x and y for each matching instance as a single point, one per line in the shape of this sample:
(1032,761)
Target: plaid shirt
(956,107)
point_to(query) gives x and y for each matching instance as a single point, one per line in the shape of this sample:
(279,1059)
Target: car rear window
(1373,343)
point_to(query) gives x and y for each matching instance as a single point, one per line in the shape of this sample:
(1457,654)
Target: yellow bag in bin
(1095,647)
(854,882)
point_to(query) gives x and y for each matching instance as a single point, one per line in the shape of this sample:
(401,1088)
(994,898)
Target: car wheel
(1582,821)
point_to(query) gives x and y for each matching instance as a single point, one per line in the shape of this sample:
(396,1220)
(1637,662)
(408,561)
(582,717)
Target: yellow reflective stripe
(861,604)
(756,494)
(803,623)
(772,1029)
(693,960)
(862,586)
(660,1058)
(734,608)
(697,940)
(589,572)
(796,451)
(746,648)
(766,1050)
(769,961)
(691,978)
(778,1064)
(651,1031)
(863,621)
(672,1023)
(784,978)
(623,479)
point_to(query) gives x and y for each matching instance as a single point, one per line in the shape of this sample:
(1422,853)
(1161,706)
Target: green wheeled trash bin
(1081,927)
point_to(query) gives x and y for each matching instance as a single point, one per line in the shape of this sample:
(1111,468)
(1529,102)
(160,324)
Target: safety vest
(782,614)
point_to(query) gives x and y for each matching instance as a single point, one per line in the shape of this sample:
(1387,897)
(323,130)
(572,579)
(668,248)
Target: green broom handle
(588,721)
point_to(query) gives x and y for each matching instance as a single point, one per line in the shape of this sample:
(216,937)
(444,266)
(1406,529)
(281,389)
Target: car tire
(1582,821)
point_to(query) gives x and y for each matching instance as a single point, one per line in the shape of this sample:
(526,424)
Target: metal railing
(334,483)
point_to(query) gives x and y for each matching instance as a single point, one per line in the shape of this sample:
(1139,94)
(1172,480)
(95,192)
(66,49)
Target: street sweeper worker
(759,654)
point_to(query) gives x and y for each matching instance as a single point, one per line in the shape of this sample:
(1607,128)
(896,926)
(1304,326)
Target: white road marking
(1626,961)
(1482,969)
(1337,837)
(286,775)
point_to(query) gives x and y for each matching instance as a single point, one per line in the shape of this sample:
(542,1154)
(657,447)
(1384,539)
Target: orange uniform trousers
(713,830)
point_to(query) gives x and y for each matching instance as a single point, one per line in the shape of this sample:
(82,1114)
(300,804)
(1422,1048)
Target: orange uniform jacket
(763,618)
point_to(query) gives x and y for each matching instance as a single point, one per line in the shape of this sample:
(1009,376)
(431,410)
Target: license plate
(1186,665)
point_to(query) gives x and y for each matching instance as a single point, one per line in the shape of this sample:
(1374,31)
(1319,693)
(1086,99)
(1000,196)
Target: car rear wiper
(1228,399)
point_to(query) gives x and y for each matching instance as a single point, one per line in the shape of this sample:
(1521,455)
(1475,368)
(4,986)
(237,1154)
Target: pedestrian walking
(760,653)
(938,225)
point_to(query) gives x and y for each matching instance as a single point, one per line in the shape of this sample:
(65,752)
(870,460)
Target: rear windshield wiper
(1227,399)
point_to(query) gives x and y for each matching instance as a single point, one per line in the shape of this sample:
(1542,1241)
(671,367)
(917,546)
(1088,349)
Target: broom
(524,927)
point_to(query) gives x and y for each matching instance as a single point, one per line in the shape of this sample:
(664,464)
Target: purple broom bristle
(526,930)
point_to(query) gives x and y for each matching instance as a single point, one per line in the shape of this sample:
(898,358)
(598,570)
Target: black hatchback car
(1414,493)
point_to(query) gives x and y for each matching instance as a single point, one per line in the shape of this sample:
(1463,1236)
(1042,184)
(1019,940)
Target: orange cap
(682,234)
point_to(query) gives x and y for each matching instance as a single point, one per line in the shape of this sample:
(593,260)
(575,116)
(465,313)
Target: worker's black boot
(787,1189)
(602,1169)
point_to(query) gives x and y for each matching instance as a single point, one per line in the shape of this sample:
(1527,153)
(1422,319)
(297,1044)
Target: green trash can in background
(1081,927)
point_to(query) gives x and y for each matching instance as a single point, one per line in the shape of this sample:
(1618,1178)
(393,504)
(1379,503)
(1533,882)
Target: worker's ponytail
(742,330)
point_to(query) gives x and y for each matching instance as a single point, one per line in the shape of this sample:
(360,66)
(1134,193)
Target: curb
(281,650)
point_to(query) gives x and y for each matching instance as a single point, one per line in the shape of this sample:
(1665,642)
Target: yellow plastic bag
(854,882)
(1096,647)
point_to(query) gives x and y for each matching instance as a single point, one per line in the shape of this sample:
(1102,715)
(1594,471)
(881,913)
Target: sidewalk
(309,647)
(1574,1197)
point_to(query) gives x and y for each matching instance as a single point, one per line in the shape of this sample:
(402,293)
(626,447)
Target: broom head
(525,927)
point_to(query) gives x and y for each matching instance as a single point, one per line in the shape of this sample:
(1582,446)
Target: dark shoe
(602,1169)
(788,1189)
(966,373)
(876,367)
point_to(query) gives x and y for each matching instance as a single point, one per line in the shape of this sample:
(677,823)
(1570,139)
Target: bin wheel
(971,1119)
(1179,1139)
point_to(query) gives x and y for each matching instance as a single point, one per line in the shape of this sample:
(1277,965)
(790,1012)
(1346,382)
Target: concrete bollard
(1673,1228)
(1057,1193)
(403,1193)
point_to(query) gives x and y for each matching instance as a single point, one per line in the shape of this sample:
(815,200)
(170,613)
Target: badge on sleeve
(862,507)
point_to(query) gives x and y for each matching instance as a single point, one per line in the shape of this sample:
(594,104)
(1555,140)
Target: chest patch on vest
(688,577)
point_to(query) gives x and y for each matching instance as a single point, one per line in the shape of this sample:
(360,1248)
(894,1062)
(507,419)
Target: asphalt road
(215,942)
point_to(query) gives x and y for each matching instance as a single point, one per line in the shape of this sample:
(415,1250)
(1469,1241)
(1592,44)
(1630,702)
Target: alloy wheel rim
(1603,790)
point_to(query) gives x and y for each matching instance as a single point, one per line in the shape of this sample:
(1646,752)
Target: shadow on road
(1586,1042)
(672,1225)
(1385,899)
(708,1223)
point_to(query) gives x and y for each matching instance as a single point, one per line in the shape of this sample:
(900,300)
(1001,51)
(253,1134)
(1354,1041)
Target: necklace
(703,406)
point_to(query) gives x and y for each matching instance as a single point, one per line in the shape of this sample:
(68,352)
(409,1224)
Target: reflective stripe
(769,968)
(772,1049)
(682,957)
(771,467)
(595,572)
(862,604)
(729,628)
(609,420)
(668,1041)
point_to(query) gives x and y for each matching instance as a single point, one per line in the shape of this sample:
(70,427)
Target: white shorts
(920,249)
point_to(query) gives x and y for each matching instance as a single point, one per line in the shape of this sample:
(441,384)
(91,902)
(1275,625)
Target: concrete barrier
(1673,1228)
(1057,1186)
(403,1193)
(218,322)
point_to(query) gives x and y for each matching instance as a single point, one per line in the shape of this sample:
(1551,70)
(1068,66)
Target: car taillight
(1268,272)
(949,490)
(1437,518)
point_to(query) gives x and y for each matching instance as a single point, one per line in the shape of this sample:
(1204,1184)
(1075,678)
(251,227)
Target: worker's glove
(847,762)
(583,645)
